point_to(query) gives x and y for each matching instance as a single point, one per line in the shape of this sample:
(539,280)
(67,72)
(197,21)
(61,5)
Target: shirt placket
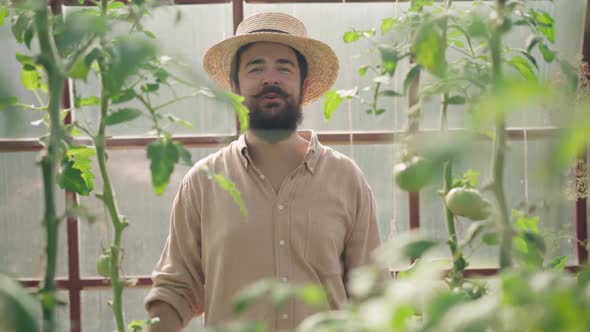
(282,239)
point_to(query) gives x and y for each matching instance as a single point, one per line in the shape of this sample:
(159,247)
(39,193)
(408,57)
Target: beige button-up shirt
(320,224)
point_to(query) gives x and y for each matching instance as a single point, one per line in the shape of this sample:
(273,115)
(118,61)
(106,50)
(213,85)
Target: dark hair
(235,65)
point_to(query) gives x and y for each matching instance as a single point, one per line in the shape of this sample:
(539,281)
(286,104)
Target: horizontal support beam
(336,138)
(146,281)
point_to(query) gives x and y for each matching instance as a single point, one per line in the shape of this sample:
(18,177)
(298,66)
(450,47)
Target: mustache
(271,89)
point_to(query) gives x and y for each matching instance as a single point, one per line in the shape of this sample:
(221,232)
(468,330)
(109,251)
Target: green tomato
(103,265)
(467,202)
(413,175)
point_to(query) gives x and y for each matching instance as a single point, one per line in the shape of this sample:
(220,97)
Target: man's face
(270,81)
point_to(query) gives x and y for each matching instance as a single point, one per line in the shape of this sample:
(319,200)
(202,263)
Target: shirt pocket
(324,242)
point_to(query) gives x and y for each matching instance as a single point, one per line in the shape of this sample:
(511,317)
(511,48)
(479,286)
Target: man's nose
(271,77)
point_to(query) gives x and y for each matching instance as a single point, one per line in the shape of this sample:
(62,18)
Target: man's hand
(169,318)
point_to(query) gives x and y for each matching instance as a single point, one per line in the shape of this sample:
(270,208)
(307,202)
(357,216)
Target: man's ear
(235,88)
(304,87)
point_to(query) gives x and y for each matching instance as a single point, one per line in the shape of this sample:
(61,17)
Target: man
(311,214)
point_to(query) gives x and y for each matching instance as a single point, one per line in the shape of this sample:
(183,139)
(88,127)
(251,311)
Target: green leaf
(389,93)
(19,308)
(6,102)
(428,45)
(558,263)
(478,27)
(149,34)
(570,73)
(79,27)
(124,96)
(163,155)
(29,67)
(250,294)
(470,178)
(491,239)
(4,12)
(441,304)
(456,100)
(180,121)
(150,87)
(545,23)
(184,154)
(332,101)
(387,24)
(411,76)
(23,23)
(241,110)
(230,187)
(28,37)
(548,54)
(532,41)
(417,5)
(122,115)
(89,101)
(25,59)
(526,223)
(363,70)
(115,5)
(76,174)
(31,79)
(584,276)
(312,294)
(524,67)
(529,57)
(352,36)
(415,249)
(80,70)
(389,59)
(130,53)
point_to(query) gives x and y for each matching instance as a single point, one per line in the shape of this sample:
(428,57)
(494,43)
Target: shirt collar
(311,157)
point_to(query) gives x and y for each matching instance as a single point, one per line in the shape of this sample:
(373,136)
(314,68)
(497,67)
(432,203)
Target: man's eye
(255,70)
(285,70)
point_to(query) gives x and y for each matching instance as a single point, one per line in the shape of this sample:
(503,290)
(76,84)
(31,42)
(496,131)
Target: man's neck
(263,151)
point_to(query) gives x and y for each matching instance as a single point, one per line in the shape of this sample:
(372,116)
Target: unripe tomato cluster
(468,203)
(103,264)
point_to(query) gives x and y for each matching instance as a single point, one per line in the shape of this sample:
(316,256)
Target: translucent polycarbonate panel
(376,162)
(22,234)
(527,187)
(148,214)
(97,315)
(185,41)
(569,20)
(15,122)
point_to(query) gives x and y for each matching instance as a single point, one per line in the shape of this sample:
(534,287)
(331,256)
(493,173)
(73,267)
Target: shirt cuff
(177,301)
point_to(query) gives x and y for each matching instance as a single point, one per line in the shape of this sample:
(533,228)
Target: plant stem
(109,201)
(49,161)
(456,276)
(499,149)
(108,198)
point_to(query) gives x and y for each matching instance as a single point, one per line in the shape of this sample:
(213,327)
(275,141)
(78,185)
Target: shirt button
(285,316)
(284,279)
(282,242)
(281,207)
(261,177)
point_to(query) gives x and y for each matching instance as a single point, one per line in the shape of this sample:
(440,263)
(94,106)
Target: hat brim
(322,62)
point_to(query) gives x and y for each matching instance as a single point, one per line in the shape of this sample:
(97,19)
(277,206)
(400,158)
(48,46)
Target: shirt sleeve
(178,277)
(364,237)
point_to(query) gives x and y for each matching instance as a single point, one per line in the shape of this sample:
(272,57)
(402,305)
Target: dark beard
(274,126)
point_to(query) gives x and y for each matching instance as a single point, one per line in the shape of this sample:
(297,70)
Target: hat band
(268,30)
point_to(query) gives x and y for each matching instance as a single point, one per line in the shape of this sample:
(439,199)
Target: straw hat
(279,28)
